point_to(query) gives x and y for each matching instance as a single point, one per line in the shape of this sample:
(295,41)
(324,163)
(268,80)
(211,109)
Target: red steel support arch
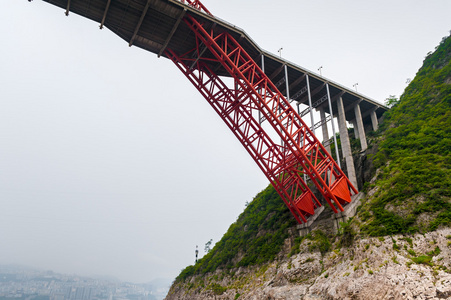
(237,114)
(299,152)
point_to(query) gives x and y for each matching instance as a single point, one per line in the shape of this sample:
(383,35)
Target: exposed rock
(372,268)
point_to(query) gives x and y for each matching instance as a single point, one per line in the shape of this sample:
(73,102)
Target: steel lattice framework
(298,155)
(197,5)
(217,58)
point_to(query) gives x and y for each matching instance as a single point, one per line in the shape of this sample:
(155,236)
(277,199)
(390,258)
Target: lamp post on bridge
(319,69)
(355,86)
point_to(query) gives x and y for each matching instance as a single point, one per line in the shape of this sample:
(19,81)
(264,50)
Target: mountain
(397,246)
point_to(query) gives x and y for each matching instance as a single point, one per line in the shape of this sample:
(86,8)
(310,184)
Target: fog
(111,163)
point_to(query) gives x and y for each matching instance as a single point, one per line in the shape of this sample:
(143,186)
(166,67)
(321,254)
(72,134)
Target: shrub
(295,249)
(411,252)
(217,288)
(320,242)
(347,234)
(422,259)
(435,252)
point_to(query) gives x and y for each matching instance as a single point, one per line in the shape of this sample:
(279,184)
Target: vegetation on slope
(414,185)
(256,237)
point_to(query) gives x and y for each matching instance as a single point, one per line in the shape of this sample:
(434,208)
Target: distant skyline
(14,268)
(111,162)
(34,283)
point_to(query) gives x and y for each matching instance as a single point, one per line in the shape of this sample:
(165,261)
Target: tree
(391,101)
(208,246)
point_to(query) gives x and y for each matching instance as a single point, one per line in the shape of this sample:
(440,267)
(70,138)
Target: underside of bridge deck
(265,88)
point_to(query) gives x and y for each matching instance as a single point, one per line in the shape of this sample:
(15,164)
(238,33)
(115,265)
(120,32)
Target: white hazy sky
(111,163)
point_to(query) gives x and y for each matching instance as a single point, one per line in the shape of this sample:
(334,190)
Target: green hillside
(411,194)
(414,155)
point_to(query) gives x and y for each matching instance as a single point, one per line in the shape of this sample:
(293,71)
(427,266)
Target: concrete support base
(305,228)
(348,212)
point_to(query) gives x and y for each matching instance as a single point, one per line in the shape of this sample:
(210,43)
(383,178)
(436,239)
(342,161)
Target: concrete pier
(345,144)
(360,128)
(374,121)
(349,211)
(305,228)
(324,129)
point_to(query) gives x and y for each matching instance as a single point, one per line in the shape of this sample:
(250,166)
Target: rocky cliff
(396,267)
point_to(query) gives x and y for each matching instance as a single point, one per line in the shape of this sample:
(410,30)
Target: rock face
(398,267)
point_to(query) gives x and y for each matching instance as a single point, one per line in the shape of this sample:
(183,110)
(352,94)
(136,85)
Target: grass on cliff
(256,237)
(414,155)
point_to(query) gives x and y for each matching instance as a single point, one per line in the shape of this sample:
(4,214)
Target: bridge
(265,100)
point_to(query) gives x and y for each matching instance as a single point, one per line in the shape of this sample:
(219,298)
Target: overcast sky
(111,163)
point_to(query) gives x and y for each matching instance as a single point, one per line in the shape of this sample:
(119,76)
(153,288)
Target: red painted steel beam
(197,5)
(299,152)
(238,116)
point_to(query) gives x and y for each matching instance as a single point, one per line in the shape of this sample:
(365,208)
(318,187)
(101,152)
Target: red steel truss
(197,5)
(284,163)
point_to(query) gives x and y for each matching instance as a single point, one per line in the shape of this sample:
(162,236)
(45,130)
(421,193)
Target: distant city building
(36,285)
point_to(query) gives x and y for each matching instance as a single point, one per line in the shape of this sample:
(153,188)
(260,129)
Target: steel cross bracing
(299,152)
(197,5)
(237,114)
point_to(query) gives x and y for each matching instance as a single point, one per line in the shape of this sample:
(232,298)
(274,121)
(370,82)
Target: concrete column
(310,103)
(345,144)
(333,126)
(360,128)
(356,130)
(322,114)
(374,120)
(325,131)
